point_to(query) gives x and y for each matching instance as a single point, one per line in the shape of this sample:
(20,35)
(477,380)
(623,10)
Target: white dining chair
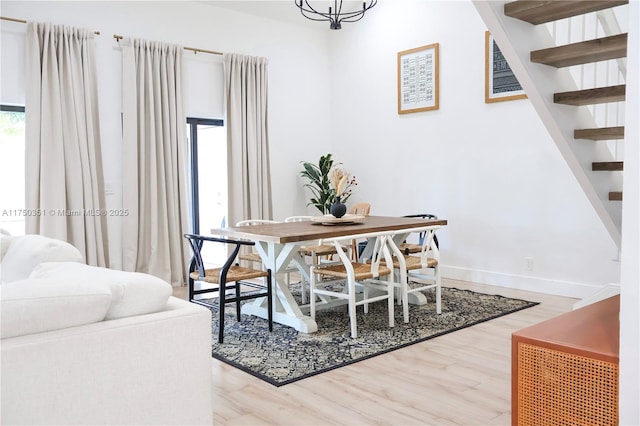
(255,257)
(419,272)
(315,252)
(358,278)
(412,248)
(363,209)
(252,256)
(298,218)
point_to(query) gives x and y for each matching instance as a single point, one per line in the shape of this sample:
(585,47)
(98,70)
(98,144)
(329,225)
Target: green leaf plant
(323,192)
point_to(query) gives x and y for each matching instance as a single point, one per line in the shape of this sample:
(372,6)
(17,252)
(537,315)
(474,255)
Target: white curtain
(247,137)
(155,186)
(64,177)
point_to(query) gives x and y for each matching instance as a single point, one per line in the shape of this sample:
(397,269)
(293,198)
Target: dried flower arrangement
(326,182)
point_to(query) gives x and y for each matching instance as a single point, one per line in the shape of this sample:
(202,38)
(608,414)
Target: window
(208,164)
(12,170)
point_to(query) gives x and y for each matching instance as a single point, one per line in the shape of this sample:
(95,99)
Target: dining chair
(419,272)
(362,209)
(230,276)
(251,255)
(355,276)
(298,218)
(314,252)
(409,248)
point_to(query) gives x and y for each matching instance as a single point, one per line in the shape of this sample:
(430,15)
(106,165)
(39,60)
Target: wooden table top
(294,232)
(591,331)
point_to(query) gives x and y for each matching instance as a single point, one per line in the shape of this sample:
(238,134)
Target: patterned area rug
(286,355)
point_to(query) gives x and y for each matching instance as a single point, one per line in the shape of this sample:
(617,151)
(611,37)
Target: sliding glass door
(12,170)
(209,195)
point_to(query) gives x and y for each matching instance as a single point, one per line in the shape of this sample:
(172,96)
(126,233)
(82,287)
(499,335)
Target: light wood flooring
(461,378)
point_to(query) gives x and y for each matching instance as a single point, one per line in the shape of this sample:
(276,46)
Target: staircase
(549,73)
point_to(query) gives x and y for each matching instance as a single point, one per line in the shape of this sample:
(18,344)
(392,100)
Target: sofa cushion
(28,251)
(34,306)
(5,242)
(133,293)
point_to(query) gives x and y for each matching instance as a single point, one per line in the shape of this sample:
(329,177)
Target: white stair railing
(600,74)
(517,39)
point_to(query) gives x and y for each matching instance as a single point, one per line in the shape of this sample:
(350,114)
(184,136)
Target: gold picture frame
(500,84)
(419,79)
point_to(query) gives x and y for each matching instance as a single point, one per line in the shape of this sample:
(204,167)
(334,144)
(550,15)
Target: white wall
(298,77)
(491,170)
(630,274)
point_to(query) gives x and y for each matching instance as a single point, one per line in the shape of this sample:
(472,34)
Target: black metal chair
(408,248)
(230,272)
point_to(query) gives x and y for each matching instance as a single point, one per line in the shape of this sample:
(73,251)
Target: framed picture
(500,84)
(418,79)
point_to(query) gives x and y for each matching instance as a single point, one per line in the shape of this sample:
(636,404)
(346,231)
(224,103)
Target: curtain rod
(22,21)
(193,49)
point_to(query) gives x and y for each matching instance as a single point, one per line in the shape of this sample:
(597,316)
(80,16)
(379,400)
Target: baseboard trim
(605,292)
(521,282)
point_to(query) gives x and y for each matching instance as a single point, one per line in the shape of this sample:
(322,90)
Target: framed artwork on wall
(418,79)
(500,84)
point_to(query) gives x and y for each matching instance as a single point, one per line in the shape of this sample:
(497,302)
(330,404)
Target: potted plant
(323,191)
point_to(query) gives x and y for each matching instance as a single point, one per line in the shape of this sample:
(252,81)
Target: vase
(338,209)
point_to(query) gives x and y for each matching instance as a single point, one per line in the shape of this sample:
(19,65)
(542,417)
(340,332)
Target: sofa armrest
(147,369)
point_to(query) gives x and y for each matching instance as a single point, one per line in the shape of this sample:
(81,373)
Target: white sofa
(87,345)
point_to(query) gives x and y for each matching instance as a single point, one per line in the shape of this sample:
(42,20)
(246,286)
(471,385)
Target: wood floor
(462,378)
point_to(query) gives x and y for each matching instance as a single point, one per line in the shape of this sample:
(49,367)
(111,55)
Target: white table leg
(417,298)
(286,310)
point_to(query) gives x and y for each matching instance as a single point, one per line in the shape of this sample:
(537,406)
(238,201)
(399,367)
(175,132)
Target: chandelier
(335,15)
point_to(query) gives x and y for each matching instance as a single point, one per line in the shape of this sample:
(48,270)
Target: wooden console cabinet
(564,371)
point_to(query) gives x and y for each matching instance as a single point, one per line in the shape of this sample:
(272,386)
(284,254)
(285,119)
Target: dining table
(277,244)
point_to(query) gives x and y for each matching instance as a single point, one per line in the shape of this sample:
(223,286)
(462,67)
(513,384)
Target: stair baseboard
(540,12)
(600,134)
(584,52)
(591,96)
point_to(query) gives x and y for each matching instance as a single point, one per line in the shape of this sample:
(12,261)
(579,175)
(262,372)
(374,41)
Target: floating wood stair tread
(591,96)
(615,196)
(600,49)
(600,134)
(609,166)
(540,12)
